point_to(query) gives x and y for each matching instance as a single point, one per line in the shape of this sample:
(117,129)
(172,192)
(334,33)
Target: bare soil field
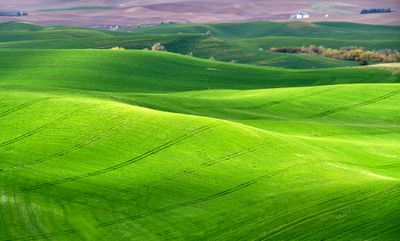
(134,12)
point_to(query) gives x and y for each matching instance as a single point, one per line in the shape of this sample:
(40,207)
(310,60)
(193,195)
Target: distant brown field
(132,12)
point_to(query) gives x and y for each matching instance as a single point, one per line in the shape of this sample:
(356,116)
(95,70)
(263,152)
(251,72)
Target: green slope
(154,72)
(330,30)
(136,145)
(228,41)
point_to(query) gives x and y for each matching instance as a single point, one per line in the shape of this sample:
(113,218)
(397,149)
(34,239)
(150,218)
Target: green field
(138,145)
(246,43)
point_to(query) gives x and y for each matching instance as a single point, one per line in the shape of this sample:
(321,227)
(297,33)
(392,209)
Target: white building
(114,27)
(300,15)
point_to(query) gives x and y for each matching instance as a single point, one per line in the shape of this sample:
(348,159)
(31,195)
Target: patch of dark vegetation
(12,14)
(346,53)
(376,10)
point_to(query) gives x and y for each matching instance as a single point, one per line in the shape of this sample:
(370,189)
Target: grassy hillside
(153,72)
(137,145)
(330,30)
(228,42)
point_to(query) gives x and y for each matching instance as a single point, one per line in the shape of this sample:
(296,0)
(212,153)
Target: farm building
(300,15)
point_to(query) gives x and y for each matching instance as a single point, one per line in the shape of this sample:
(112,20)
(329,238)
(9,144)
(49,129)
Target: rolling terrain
(101,13)
(139,145)
(246,43)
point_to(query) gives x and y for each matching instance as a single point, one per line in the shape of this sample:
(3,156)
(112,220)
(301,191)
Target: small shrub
(158,47)
(117,48)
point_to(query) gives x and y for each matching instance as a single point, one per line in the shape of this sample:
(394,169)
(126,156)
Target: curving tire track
(168,208)
(218,195)
(384,231)
(323,212)
(22,106)
(383,131)
(199,200)
(128,162)
(388,166)
(277,102)
(192,170)
(46,235)
(69,150)
(45,126)
(353,106)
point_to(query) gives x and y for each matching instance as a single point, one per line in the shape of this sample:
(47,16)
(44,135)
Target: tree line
(376,10)
(346,53)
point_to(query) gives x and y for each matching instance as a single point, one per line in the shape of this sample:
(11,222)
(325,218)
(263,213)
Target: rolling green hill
(153,72)
(329,30)
(137,145)
(246,43)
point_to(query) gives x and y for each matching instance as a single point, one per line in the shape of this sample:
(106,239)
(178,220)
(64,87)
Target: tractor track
(388,166)
(384,231)
(353,106)
(211,197)
(164,209)
(128,162)
(322,212)
(192,170)
(22,106)
(277,102)
(69,150)
(195,201)
(45,126)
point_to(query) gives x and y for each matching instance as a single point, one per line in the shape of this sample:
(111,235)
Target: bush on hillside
(158,47)
(117,48)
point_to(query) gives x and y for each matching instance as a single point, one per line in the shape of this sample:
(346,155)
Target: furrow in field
(128,162)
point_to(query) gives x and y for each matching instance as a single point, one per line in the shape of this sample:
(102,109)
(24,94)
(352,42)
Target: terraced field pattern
(138,145)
